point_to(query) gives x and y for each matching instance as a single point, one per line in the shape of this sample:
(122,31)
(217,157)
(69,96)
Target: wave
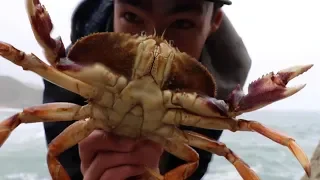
(25,176)
(9,110)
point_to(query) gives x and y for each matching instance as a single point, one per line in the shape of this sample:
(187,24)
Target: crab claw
(266,90)
(42,26)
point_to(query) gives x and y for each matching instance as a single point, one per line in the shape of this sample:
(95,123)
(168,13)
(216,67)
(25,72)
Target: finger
(153,145)
(106,161)
(111,141)
(102,141)
(123,172)
(146,153)
(149,153)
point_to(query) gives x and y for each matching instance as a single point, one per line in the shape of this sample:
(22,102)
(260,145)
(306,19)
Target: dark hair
(218,4)
(221,2)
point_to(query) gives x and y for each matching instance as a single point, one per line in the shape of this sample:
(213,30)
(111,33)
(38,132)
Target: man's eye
(183,24)
(132,18)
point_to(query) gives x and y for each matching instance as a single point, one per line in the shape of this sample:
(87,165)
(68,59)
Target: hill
(16,94)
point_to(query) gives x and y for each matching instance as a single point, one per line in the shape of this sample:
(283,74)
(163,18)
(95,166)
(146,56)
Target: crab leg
(180,117)
(34,64)
(175,117)
(44,113)
(55,52)
(245,125)
(42,26)
(96,74)
(180,150)
(72,135)
(264,91)
(201,142)
(220,149)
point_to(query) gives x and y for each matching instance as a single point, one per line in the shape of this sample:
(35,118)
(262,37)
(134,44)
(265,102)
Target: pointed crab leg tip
(301,86)
(154,174)
(292,90)
(298,69)
(301,156)
(4,48)
(308,171)
(309,66)
(29,6)
(292,72)
(303,68)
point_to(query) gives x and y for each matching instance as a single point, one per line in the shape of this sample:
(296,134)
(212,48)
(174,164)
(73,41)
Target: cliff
(16,94)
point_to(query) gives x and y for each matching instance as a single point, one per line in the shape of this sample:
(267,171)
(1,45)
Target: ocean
(23,156)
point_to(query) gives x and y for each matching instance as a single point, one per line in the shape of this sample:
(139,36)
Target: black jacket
(224,55)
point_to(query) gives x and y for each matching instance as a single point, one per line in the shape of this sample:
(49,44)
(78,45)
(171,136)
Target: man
(197,27)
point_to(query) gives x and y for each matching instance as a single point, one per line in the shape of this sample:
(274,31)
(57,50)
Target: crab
(141,86)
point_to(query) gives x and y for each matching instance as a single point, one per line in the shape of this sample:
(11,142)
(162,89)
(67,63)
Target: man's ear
(216,20)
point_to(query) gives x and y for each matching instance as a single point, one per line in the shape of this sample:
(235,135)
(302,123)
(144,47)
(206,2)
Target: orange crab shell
(118,52)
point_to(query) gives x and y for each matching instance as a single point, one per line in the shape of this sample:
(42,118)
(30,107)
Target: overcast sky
(277,35)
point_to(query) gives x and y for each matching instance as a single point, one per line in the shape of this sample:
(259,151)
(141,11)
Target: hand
(105,156)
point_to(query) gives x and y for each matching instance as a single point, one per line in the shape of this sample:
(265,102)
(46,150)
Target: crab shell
(170,68)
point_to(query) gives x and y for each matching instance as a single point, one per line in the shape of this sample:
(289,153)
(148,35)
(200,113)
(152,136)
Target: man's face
(187,22)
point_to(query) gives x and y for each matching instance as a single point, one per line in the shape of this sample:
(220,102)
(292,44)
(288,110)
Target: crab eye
(132,18)
(183,24)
